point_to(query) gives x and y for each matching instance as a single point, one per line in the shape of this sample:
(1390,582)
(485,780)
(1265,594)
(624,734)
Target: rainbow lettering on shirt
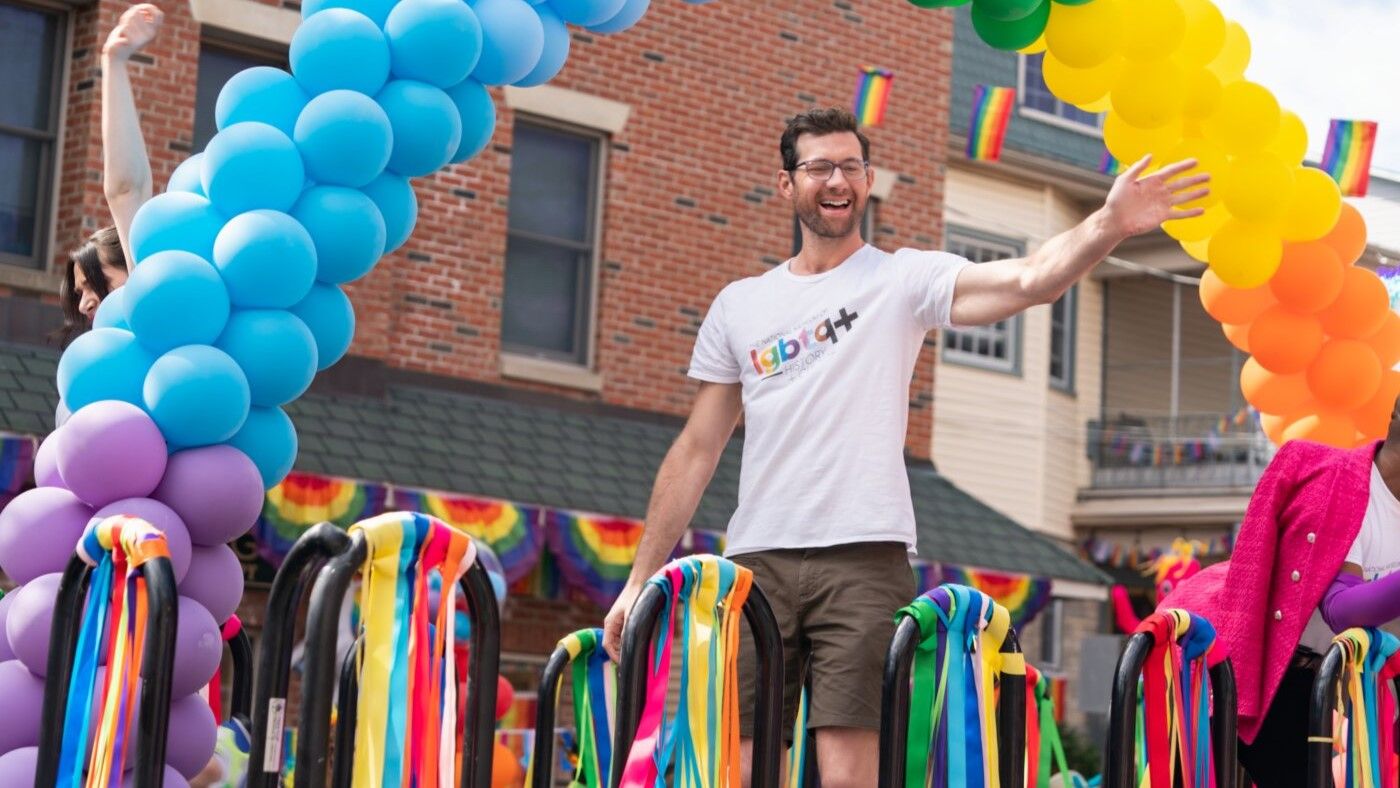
(770,360)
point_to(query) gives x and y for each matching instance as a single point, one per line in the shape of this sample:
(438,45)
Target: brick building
(530,341)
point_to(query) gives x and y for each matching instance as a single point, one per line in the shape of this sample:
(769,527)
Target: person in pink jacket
(1317,553)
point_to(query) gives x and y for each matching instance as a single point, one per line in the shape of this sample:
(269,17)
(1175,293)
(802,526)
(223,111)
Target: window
(1063,316)
(31,69)
(867,225)
(217,65)
(997,346)
(552,242)
(1051,618)
(1035,96)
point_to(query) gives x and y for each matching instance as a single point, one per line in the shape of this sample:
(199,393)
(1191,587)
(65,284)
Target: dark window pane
(217,66)
(1038,95)
(543,289)
(20,159)
(551,183)
(27,41)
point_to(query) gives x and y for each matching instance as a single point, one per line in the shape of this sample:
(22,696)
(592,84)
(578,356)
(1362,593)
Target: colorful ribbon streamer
(1044,749)
(594,679)
(511,531)
(1368,705)
(1176,700)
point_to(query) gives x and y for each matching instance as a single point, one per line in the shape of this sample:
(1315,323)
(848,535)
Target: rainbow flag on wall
(991,111)
(1347,156)
(872,94)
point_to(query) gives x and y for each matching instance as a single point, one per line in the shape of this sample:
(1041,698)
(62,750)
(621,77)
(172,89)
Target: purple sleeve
(1353,602)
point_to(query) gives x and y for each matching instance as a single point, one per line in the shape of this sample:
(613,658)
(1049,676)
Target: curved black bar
(1324,691)
(894,703)
(637,636)
(63,641)
(1122,711)
(343,768)
(1011,717)
(241,701)
(1223,725)
(543,756)
(479,739)
(318,545)
(318,678)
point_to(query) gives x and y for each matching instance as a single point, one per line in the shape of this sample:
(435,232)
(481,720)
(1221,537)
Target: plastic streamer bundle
(1175,703)
(797,753)
(407,721)
(1042,733)
(952,714)
(594,678)
(116,605)
(1372,659)
(701,744)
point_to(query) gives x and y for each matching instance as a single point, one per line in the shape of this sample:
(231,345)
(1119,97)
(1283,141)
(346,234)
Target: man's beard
(810,214)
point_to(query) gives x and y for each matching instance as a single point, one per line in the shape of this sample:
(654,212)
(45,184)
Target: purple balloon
(46,462)
(216,490)
(177,537)
(111,450)
(17,767)
(190,743)
(24,700)
(38,532)
(30,620)
(6,653)
(215,580)
(198,648)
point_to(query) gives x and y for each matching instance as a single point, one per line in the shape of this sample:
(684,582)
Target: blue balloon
(397,204)
(176,298)
(276,351)
(345,138)
(587,12)
(185,178)
(347,229)
(267,259)
(340,49)
(433,41)
(270,440)
(112,313)
(478,113)
(197,395)
(175,220)
(327,312)
(105,363)
(631,13)
(263,94)
(252,165)
(512,40)
(376,10)
(61,414)
(427,128)
(556,49)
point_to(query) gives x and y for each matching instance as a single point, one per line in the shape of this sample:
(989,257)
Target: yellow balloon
(1202,93)
(1256,187)
(1246,117)
(1153,29)
(1233,58)
(1084,36)
(1205,33)
(1098,105)
(1080,86)
(1149,95)
(1128,143)
(1316,204)
(1035,47)
(1210,159)
(1198,250)
(1291,142)
(1245,255)
(1200,228)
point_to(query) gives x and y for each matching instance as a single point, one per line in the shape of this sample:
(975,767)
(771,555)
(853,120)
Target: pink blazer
(1304,514)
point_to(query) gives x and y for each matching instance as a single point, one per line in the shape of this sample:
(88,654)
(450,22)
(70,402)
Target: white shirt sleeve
(928,280)
(713,360)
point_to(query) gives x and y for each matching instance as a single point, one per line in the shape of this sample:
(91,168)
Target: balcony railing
(1186,451)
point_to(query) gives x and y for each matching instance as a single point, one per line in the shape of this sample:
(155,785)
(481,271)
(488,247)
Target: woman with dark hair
(91,272)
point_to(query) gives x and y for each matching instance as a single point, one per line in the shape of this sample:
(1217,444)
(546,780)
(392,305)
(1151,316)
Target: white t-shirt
(825,362)
(1376,550)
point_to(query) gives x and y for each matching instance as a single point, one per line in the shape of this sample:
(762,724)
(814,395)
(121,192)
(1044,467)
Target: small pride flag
(991,110)
(872,94)
(1108,165)
(1347,157)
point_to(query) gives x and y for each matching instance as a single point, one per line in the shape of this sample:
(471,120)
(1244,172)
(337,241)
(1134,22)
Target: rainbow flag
(1108,165)
(872,94)
(1347,157)
(991,111)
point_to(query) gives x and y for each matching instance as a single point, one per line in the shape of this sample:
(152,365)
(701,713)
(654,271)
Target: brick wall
(689,197)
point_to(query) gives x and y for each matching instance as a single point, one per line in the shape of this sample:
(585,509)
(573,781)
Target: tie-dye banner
(512,531)
(594,552)
(16,462)
(302,500)
(1023,595)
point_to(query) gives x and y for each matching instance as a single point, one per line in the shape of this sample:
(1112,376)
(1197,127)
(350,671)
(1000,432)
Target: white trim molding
(1074,589)
(569,106)
(539,370)
(247,18)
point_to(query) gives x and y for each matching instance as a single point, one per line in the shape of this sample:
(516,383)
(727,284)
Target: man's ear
(785,183)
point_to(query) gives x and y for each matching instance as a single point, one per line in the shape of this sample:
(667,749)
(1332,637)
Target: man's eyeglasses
(822,169)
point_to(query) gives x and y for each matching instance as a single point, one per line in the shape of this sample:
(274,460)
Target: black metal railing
(1188,450)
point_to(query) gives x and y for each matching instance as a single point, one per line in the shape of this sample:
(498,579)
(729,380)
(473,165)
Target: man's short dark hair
(832,120)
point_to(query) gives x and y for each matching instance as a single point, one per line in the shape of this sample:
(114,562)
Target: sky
(1329,59)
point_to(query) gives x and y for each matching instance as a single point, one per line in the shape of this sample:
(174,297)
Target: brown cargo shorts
(835,608)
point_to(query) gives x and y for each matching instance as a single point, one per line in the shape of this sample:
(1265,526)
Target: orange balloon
(1373,418)
(1345,374)
(1386,342)
(1361,307)
(1269,392)
(1309,278)
(1333,429)
(1230,304)
(1237,334)
(1274,426)
(1348,236)
(505,768)
(1284,341)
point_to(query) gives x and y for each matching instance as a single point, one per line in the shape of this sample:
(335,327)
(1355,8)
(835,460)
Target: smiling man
(817,355)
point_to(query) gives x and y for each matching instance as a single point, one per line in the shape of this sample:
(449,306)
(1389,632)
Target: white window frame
(1052,630)
(1070,338)
(1011,364)
(1051,118)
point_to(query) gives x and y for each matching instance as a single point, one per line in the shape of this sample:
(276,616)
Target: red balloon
(505,696)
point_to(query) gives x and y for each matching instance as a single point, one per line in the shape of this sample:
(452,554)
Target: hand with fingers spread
(1139,203)
(136,28)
